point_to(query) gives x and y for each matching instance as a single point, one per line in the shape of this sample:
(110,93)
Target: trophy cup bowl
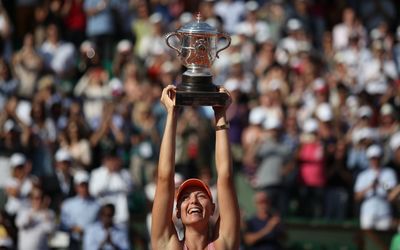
(198,48)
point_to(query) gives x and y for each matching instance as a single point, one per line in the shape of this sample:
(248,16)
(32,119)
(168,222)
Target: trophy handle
(228,42)
(167,37)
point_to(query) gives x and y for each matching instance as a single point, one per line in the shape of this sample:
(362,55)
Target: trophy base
(200,98)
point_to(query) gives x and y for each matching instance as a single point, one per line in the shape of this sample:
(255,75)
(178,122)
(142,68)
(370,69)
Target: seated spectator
(110,183)
(264,230)
(78,212)
(104,234)
(371,191)
(35,223)
(19,186)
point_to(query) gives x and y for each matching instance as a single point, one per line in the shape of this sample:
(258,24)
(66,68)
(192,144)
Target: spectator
(141,25)
(58,55)
(59,185)
(342,31)
(100,25)
(153,43)
(371,189)
(250,136)
(273,158)
(78,212)
(74,18)
(339,182)
(144,141)
(123,56)
(231,13)
(357,160)
(93,88)
(255,29)
(238,112)
(75,142)
(14,135)
(110,183)
(311,160)
(27,66)
(19,186)
(8,83)
(264,230)
(104,234)
(35,223)
(43,137)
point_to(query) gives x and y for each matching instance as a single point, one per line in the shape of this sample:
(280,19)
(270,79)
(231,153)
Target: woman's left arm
(229,225)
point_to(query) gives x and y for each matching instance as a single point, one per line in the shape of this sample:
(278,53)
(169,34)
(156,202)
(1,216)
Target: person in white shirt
(19,185)
(371,190)
(35,223)
(111,184)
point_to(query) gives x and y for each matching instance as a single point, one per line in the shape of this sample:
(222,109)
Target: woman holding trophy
(194,204)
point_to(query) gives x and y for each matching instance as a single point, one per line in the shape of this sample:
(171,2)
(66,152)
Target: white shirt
(231,12)
(34,228)
(15,204)
(112,187)
(375,201)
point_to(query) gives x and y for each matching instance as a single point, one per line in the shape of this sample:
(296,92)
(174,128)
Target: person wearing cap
(59,185)
(371,190)
(153,43)
(361,139)
(123,56)
(110,183)
(274,162)
(388,122)
(19,185)
(250,135)
(194,199)
(78,211)
(311,162)
(36,222)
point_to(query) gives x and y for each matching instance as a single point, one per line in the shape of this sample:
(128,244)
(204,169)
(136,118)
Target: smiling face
(194,205)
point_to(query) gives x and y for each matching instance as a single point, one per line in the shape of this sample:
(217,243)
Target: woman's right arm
(162,228)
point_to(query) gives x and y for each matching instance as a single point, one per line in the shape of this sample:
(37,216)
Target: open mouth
(195,210)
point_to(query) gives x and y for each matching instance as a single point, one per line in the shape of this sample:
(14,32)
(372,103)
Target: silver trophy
(198,48)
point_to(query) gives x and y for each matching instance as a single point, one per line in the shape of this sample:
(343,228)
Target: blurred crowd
(314,123)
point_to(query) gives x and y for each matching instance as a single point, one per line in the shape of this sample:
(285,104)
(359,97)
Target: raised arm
(162,229)
(229,228)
